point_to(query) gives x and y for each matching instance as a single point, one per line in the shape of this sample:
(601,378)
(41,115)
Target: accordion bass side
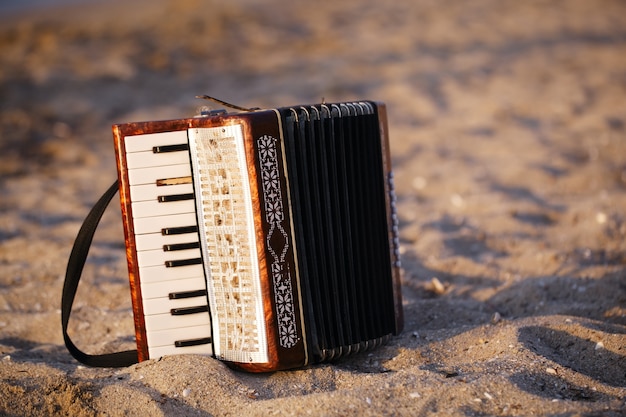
(267,239)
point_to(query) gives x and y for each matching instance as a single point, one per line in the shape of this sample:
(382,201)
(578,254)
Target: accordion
(267,239)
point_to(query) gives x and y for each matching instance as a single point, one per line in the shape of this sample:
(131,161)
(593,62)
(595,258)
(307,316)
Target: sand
(508,136)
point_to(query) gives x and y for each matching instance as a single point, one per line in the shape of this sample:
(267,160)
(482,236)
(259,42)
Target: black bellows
(337,185)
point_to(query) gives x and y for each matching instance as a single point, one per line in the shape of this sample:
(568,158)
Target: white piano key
(155,224)
(138,143)
(154,241)
(159,351)
(163,305)
(163,288)
(168,337)
(156,208)
(146,192)
(160,273)
(150,175)
(167,321)
(159,256)
(150,159)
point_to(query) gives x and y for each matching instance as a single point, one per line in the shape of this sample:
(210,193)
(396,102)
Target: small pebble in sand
(601,218)
(496,318)
(599,345)
(186,392)
(551,371)
(436,286)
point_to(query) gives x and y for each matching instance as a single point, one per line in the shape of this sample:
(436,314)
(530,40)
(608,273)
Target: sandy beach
(508,140)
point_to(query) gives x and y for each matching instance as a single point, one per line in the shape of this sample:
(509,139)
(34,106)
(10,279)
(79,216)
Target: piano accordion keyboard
(167,244)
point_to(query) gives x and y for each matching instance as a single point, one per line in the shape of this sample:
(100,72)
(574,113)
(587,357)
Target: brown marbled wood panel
(264,274)
(142,128)
(131,251)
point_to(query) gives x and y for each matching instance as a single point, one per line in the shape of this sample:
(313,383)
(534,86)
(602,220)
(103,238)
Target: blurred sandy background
(508,134)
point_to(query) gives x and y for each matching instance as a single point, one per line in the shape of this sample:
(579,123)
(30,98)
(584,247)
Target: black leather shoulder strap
(72,277)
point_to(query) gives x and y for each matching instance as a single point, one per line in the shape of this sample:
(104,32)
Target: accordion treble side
(267,239)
